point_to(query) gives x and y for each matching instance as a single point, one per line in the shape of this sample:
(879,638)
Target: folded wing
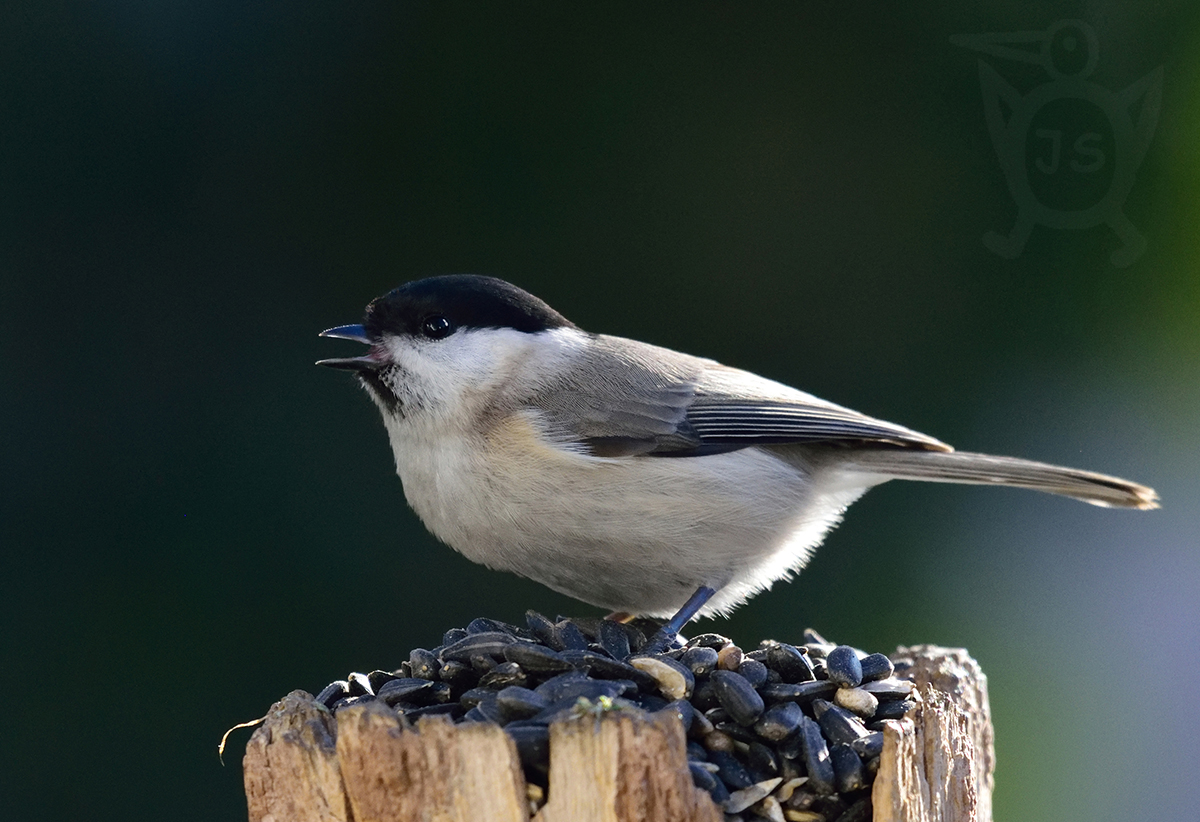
(656,402)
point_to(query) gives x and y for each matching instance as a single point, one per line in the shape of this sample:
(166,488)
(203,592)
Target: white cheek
(452,380)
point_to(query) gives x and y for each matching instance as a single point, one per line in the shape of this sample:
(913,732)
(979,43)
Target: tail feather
(984,469)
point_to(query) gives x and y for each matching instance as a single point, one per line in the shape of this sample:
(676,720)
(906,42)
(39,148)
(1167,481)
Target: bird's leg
(666,634)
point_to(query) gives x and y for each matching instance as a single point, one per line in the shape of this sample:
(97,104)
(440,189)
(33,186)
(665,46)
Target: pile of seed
(784,732)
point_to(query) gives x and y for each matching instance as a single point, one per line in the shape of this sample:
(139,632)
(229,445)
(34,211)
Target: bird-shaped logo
(1070,149)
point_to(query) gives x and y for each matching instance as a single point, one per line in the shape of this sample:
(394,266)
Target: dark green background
(195,520)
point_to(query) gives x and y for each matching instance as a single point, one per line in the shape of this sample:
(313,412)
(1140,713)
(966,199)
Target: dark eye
(437,327)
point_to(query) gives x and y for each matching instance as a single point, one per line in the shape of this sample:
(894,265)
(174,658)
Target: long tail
(984,469)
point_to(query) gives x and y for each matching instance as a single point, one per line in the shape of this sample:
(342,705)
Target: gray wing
(628,398)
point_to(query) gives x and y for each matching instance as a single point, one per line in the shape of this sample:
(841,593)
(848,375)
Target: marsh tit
(626,475)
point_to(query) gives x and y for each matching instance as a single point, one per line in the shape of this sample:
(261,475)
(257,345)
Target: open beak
(358,334)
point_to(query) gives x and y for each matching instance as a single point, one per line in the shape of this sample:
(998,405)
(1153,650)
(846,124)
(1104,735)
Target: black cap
(466,301)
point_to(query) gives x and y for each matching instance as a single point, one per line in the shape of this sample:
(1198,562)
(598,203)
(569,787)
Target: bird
(627,475)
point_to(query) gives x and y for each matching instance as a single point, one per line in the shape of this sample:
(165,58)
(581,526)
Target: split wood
(304,765)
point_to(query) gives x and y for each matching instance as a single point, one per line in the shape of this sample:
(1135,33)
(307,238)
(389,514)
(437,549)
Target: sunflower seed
(543,630)
(838,724)
(729,658)
(761,762)
(802,693)
(504,675)
(351,701)
(791,664)
(360,684)
(816,757)
(730,770)
(714,641)
(674,680)
(770,809)
(684,710)
(515,702)
(893,710)
(811,637)
(613,639)
(701,661)
(876,666)
(458,675)
(860,811)
(491,643)
(739,801)
(483,625)
(412,713)
(857,701)
(843,667)
(754,672)
(868,746)
(746,714)
(557,690)
(886,690)
(737,696)
(778,721)
(533,747)
(332,692)
(570,636)
(452,636)
(423,664)
(411,690)
(847,769)
(703,778)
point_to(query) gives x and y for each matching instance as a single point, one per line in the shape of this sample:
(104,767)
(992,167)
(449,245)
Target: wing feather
(658,402)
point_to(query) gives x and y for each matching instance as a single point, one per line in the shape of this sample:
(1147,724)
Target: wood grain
(369,765)
(937,765)
(291,768)
(437,772)
(622,767)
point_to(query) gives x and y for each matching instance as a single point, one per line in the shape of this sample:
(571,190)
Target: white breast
(635,534)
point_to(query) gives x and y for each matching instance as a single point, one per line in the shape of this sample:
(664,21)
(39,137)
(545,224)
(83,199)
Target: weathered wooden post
(367,763)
